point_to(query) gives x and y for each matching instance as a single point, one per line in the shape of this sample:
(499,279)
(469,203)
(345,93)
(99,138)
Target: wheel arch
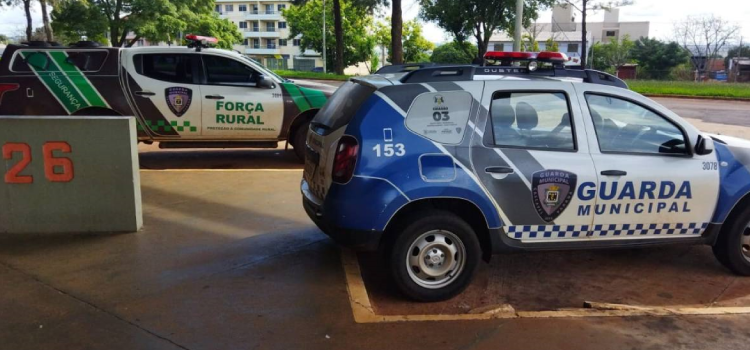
(300,119)
(465,209)
(738,207)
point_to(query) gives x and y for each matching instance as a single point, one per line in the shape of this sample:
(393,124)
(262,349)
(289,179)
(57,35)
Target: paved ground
(228,260)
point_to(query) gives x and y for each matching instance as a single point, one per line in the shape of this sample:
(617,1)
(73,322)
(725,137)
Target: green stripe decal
(316,97)
(78,78)
(297,97)
(57,83)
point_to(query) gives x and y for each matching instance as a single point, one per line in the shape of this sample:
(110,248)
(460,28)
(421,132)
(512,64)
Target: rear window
(340,108)
(85,61)
(169,67)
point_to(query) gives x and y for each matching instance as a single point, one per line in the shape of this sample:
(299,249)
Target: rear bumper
(356,239)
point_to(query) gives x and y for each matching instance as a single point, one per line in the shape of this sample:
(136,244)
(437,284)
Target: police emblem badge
(178,99)
(552,191)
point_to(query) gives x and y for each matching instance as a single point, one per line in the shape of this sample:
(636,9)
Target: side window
(226,71)
(440,116)
(539,120)
(624,126)
(175,68)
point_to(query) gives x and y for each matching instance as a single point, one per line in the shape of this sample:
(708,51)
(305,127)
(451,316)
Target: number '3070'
(389,150)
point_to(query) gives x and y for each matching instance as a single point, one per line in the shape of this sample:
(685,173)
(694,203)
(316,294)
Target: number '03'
(389,150)
(64,165)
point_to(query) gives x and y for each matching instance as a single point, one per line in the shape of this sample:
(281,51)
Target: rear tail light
(345,159)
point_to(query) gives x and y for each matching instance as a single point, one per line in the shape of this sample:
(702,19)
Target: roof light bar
(502,55)
(203,39)
(545,56)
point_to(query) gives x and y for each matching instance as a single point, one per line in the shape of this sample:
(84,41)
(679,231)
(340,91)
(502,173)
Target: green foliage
(454,52)
(478,18)
(295,74)
(415,45)
(210,24)
(306,19)
(374,62)
(4,39)
(684,88)
(529,44)
(656,59)
(613,54)
(68,26)
(551,45)
(153,20)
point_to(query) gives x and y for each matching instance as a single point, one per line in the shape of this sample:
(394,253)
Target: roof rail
(404,68)
(468,72)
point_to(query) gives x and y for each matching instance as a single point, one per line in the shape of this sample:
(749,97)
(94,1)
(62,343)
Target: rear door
(163,86)
(532,156)
(234,106)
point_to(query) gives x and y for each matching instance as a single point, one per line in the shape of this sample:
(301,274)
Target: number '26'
(65,165)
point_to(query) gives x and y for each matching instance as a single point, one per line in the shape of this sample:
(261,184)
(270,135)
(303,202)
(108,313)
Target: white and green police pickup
(182,97)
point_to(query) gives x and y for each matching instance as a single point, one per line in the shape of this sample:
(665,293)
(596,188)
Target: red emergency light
(502,55)
(202,39)
(544,56)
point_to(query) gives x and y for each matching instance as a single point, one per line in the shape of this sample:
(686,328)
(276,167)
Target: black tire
(300,139)
(730,249)
(440,223)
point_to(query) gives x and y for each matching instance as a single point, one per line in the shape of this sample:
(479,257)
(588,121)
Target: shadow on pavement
(152,157)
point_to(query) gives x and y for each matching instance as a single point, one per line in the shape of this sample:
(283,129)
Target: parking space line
(364,312)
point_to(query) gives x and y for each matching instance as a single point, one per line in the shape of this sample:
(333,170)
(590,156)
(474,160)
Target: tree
(452,53)
(586,6)
(154,20)
(478,18)
(45,21)
(613,55)
(551,45)
(704,36)
(4,39)
(27,10)
(68,26)
(658,58)
(415,45)
(382,33)
(397,53)
(357,24)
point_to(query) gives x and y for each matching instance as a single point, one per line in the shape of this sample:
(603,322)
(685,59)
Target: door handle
(144,93)
(614,173)
(214,97)
(498,170)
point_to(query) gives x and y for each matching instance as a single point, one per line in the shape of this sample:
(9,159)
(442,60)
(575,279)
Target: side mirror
(705,145)
(264,83)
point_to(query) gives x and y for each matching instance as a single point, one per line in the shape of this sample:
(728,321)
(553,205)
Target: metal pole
(519,24)
(325,65)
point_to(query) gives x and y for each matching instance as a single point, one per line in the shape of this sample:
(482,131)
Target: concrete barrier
(69,174)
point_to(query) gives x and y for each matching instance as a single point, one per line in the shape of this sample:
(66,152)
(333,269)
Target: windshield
(263,68)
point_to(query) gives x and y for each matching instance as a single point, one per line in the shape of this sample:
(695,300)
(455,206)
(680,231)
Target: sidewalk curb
(687,97)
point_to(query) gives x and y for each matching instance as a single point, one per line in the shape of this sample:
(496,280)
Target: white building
(567,33)
(266,35)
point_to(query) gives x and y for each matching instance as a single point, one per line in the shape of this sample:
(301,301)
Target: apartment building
(266,34)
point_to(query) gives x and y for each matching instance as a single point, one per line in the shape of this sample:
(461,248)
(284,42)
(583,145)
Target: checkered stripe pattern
(162,124)
(576,231)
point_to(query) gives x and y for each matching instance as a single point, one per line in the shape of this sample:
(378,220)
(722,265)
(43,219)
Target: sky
(661,13)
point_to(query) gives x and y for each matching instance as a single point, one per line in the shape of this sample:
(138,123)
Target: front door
(531,156)
(164,89)
(650,183)
(234,106)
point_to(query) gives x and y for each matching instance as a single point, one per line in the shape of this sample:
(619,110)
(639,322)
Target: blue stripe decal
(734,179)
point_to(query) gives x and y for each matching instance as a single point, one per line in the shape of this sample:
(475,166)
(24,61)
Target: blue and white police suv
(442,166)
